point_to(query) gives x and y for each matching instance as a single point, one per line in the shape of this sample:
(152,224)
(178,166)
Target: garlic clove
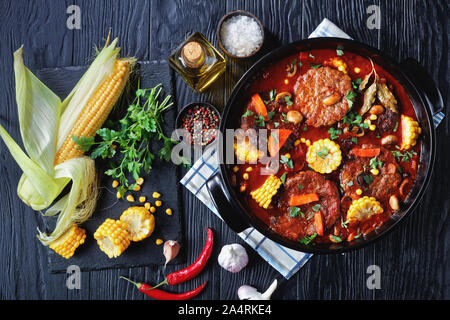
(171,249)
(233,257)
(246,292)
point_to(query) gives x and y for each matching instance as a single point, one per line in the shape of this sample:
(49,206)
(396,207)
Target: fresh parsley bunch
(135,133)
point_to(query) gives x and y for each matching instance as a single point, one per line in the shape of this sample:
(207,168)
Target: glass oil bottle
(198,62)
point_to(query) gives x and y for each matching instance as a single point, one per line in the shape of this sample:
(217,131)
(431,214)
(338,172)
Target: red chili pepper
(162,295)
(194,269)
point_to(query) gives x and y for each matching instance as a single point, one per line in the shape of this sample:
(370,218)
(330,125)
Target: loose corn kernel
(286,81)
(297,142)
(375,172)
(137,188)
(130,198)
(158,203)
(235,169)
(410,132)
(339,64)
(249,169)
(96,110)
(140,181)
(359,192)
(363,208)
(242,188)
(169,211)
(159,241)
(152,209)
(112,237)
(66,244)
(115,184)
(324,156)
(140,222)
(368,121)
(302,140)
(373,117)
(156,195)
(118,195)
(357,70)
(263,195)
(341,68)
(372,127)
(147,205)
(287,155)
(142,199)
(245,176)
(308,142)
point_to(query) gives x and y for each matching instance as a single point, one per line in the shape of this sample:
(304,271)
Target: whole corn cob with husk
(263,195)
(66,244)
(96,111)
(410,132)
(324,156)
(113,237)
(363,208)
(140,222)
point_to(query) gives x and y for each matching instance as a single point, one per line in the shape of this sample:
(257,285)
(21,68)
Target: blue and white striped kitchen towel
(285,260)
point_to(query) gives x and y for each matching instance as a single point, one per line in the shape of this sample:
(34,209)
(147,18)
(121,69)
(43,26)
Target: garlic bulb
(233,257)
(249,293)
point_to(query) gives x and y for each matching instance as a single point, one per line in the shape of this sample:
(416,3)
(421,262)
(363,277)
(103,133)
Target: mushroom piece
(389,139)
(294,116)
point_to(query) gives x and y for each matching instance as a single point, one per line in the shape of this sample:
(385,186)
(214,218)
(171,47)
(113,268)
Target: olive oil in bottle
(198,62)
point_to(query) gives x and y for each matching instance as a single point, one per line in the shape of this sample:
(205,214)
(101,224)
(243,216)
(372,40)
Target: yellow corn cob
(410,132)
(363,208)
(96,110)
(113,237)
(263,195)
(324,156)
(66,245)
(246,151)
(140,222)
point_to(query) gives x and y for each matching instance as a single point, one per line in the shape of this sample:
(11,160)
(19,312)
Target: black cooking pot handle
(223,206)
(422,80)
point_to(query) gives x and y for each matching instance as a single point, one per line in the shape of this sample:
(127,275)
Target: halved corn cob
(113,237)
(66,244)
(140,222)
(363,208)
(410,132)
(96,110)
(324,156)
(246,151)
(263,195)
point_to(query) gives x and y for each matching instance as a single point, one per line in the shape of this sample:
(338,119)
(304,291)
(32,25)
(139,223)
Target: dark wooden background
(414,259)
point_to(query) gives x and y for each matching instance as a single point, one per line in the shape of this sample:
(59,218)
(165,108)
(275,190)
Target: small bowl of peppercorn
(199,122)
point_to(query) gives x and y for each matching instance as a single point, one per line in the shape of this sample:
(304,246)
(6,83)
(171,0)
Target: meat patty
(387,121)
(356,174)
(313,87)
(311,182)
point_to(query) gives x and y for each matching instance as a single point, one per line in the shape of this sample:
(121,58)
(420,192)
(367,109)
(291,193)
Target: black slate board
(164,178)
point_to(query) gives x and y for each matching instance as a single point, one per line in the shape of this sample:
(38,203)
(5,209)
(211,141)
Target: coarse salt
(241,35)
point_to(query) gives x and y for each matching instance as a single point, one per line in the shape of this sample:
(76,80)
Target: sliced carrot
(300,199)
(318,223)
(276,140)
(260,107)
(351,237)
(366,153)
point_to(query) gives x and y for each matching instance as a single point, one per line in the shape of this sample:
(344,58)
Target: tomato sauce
(273,80)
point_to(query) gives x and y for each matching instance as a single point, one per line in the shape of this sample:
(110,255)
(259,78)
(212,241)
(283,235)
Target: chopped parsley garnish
(359,234)
(335,238)
(350,183)
(305,128)
(350,96)
(355,140)
(248,113)
(340,50)
(285,160)
(300,187)
(307,240)
(316,207)
(283,178)
(375,163)
(276,124)
(295,212)
(288,100)
(284,117)
(405,156)
(270,115)
(322,153)
(344,223)
(356,82)
(311,56)
(334,133)
(315,66)
(272,94)
(260,121)
(294,62)
(367,179)
(274,136)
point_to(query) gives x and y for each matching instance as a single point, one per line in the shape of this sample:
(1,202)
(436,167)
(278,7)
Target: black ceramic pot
(423,94)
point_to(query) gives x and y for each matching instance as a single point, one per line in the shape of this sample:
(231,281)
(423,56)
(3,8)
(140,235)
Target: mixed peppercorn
(201,123)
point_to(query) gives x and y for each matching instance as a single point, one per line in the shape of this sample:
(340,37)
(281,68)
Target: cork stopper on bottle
(193,55)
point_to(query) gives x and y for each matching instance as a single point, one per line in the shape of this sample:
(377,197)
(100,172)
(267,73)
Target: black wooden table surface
(414,259)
